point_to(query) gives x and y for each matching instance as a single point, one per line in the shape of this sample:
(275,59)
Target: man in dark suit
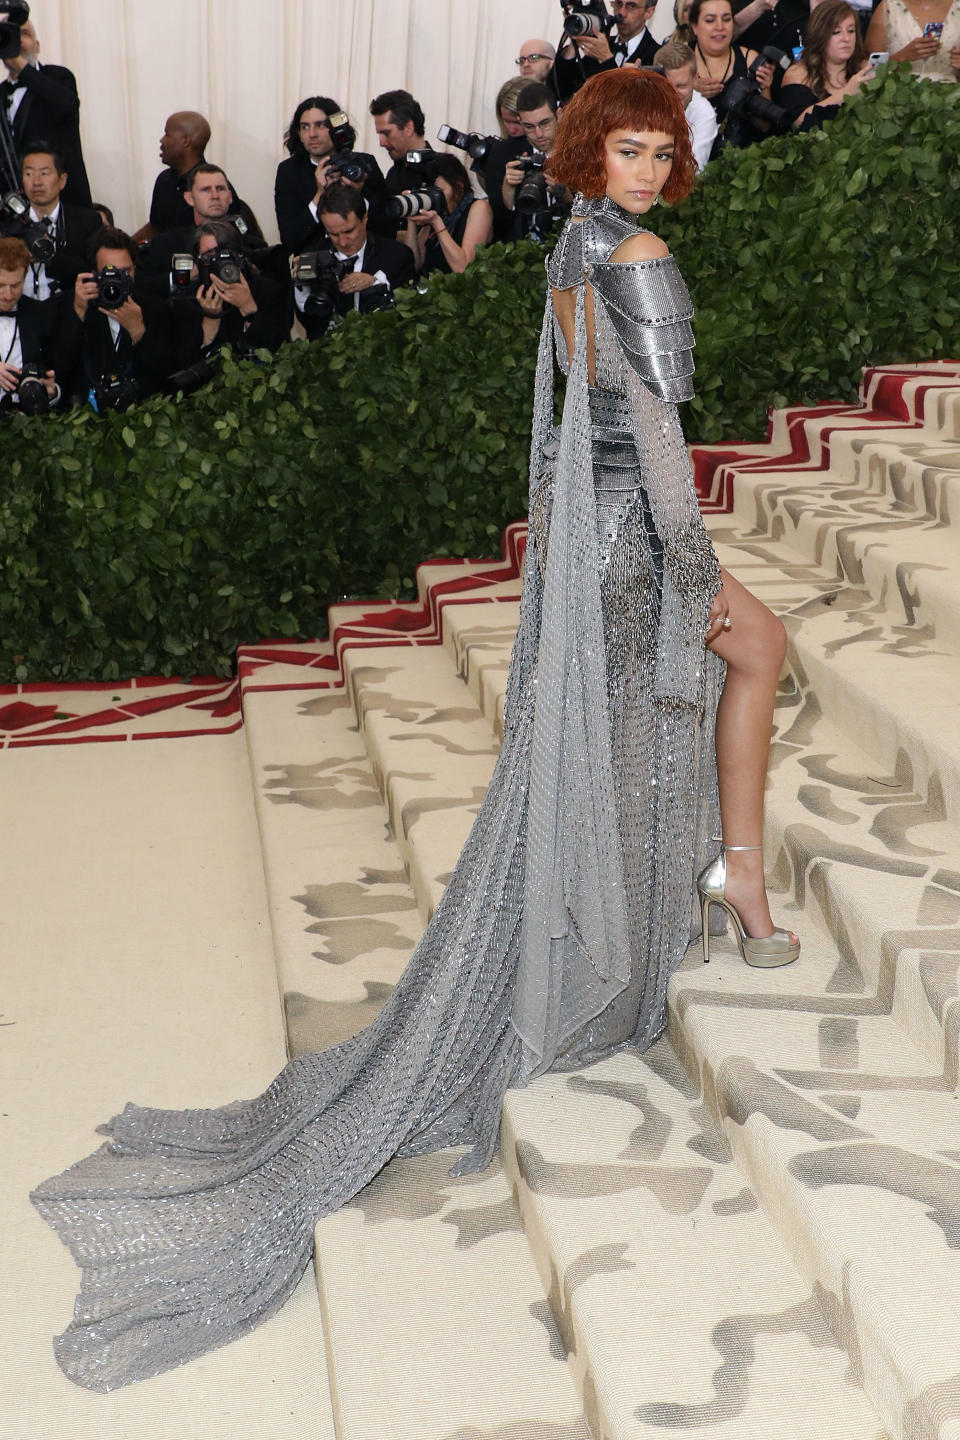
(68,227)
(41,102)
(27,327)
(400,126)
(634,46)
(183,146)
(120,352)
(311,167)
(209,197)
(374,260)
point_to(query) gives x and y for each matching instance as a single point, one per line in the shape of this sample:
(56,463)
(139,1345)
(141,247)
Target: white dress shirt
(702,124)
(11,351)
(625,57)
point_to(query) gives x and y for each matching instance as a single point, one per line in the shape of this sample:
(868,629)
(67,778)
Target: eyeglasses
(522,59)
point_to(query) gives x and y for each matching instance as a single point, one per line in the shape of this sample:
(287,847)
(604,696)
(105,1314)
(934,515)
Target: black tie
(350,263)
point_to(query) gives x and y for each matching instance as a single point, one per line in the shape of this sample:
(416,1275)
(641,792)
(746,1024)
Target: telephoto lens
(414,202)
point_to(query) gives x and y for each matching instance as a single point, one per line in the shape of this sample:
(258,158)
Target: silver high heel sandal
(768,953)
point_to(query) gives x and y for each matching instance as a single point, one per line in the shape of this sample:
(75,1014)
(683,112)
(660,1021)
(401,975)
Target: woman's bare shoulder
(642,246)
(796,75)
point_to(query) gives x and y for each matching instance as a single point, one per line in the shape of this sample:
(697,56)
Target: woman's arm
(478,231)
(415,237)
(744,18)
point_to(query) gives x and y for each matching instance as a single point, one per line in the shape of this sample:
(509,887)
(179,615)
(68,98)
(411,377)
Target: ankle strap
(742,847)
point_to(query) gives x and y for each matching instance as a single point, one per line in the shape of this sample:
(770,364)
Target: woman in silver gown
(575,895)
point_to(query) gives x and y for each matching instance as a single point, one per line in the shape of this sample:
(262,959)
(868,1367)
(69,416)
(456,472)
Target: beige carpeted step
(137,965)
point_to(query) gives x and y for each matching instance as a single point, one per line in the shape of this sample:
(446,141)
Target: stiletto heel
(767,953)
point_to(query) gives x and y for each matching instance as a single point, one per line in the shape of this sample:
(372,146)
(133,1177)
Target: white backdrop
(246,63)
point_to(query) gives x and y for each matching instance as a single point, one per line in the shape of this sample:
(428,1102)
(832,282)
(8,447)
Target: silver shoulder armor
(650,310)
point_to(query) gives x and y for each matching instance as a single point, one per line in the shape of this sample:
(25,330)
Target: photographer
(448,242)
(679,65)
(27,327)
(210,198)
(400,128)
(55,233)
(721,66)
(42,100)
(589,50)
(360,273)
(114,343)
(528,192)
(315,153)
(228,301)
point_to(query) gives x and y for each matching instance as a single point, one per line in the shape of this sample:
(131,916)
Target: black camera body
(741,102)
(531,196)
(10,39)
(32,394)
(114,287)
(343,163)
(226,264)
(41,244)
(582,18)
(115,392)
(471,142)
(320,272)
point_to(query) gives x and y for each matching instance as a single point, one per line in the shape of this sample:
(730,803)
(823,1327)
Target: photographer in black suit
(210,198)
(42,101)
(114,343)
(27,329)
(55,232)
(229,302)
(589,54)
(375,265)
(314,154)
(400,127)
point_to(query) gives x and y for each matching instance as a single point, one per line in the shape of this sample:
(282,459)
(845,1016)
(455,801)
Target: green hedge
(156,541)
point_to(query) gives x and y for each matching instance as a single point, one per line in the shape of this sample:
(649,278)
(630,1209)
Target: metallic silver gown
(569,907)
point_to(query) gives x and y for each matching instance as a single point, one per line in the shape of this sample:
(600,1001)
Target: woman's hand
(860,78)
(955,59)
(919,49)
(239,294)
(719,616)
(764,77)
(707,86)
(209,301)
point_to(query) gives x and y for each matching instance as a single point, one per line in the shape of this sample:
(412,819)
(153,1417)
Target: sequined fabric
(568,908)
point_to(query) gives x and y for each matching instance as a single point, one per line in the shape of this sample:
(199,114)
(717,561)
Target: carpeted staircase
(754,1229)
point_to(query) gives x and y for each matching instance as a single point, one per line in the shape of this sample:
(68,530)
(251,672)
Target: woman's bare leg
(753,647)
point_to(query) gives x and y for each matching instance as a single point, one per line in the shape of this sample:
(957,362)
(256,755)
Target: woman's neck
(717,66)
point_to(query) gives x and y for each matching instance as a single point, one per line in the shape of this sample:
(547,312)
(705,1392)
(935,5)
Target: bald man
(535,60)
(183,146)
(41,103)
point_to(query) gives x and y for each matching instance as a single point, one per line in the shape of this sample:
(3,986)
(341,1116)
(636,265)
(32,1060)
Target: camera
(115,392)
(320,272)
(531,194)
(742,102)
(32,392)
(114,287)
(10,41)
(475,145)
(226,264)
(41,244)
(414,202)
(343,164)
(585,17)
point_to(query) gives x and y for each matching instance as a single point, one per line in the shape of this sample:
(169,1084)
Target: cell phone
(878,57)
(933,30)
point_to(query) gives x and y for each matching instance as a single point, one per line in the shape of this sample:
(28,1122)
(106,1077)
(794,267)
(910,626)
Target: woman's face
(449,192)
(714,27)
(638,166)
(842,42)
(511,123)
(314,132)
(680,10)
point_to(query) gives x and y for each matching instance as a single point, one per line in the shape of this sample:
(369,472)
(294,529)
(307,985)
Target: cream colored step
(682,1311)
(858,1174)
(437,1323)
(137,964)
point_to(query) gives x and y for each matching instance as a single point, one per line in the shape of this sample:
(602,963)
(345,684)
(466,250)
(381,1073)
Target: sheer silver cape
(568,909)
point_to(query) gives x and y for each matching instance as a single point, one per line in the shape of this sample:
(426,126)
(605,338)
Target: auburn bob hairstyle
(624,99)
